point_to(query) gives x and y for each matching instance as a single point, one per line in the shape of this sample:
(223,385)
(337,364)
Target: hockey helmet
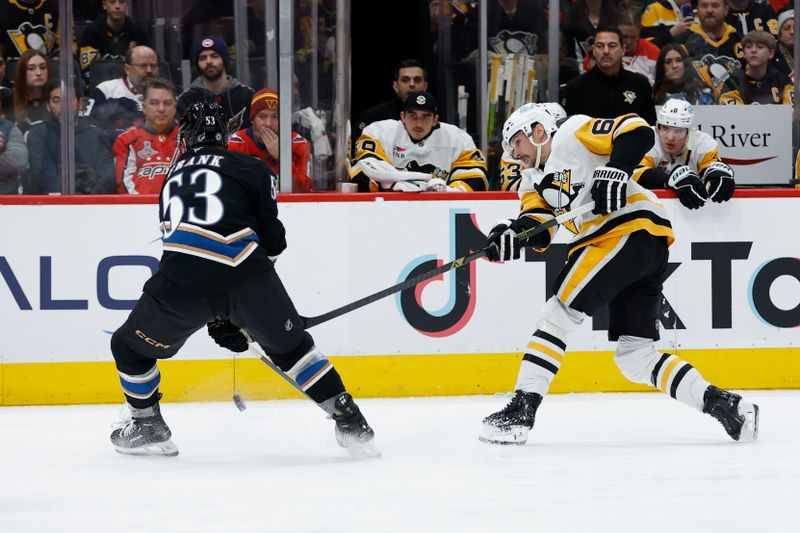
(555,109)
(525,119)
(203,124)
(676,113)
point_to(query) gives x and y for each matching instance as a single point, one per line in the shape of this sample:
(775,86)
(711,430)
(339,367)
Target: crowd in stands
(702,51)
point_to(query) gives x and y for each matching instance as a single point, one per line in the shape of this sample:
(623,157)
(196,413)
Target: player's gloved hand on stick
(504,243)
(609,189)
(226,335)
(687,185)
(718,177)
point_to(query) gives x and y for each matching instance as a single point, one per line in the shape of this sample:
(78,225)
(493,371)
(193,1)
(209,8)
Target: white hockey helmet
(555,109)
(525,119)
(676,113)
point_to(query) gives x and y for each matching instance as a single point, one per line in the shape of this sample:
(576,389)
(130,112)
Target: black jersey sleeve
(270,229)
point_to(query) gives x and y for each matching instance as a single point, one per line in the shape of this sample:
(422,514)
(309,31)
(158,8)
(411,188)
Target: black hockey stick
(310,322)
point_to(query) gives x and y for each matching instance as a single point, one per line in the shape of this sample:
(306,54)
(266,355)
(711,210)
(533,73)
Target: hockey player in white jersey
(618,258)
(685,159)
(513,175)
(417,153)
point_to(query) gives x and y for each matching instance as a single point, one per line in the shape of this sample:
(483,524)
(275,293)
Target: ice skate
(352,430)
(511,424)
(738,417)
(145,433)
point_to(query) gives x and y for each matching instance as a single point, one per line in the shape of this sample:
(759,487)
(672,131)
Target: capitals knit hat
(213,42)
(420,100)
(263,99)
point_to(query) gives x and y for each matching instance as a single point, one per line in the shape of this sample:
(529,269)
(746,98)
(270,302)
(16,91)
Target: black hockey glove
(609,190)
(227,335)
(503,241)
(719,182)
(688,187)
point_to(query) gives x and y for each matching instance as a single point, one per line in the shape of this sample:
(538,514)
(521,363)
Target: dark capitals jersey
(219,223)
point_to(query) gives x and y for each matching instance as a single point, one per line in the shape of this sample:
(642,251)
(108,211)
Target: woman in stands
(675,79)
(30,101)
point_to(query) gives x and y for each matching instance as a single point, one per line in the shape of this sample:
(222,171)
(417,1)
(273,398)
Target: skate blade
(749,431)
(517,435)
(163,449)
(361,450)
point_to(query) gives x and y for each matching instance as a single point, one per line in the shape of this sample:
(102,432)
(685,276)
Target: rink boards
(72,268)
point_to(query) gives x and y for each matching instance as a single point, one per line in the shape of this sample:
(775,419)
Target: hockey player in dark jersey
(618,257)
(221,236)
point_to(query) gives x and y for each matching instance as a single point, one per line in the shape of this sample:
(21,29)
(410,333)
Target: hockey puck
(237,399)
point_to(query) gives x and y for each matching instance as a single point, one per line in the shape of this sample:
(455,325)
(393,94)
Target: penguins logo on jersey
(514,42)
(715,71)
(29,37)
(557,190)
(428,168)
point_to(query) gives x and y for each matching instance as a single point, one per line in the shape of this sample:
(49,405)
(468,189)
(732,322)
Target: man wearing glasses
(116,105)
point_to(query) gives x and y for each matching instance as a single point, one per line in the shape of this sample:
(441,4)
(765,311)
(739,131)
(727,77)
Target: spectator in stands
(614,90)
(640,54)
(685,159)
(116,105)
(261,140)
(143,154)
(675,78)
(784,57)
(716,48)
(712,35)
(30,102)
(94,164)
(765,83)
(581,22)
(409,76)
(109,37)
(29,25)
(13,157)
(512,27)
(749,15)
(214,84)
(418,153)
(664,21)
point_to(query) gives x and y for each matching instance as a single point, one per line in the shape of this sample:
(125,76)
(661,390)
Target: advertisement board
(755,140)
(69,276)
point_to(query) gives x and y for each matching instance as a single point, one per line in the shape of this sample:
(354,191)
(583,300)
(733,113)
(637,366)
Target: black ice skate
(511,424)
(738,417)
(145,433)
(352,430)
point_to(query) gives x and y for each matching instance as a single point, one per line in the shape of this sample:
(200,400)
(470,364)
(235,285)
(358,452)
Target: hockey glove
(688,187)
(609,190)
(226,335)
(719,181)
(503,242)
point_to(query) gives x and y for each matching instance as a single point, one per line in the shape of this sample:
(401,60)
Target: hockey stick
(310,322)
(255,349)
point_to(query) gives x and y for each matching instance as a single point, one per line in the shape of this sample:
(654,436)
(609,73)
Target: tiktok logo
(465,237)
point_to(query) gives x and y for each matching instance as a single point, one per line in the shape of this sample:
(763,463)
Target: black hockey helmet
(203,124)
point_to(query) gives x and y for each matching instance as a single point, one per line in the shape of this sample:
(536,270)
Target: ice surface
(595,462)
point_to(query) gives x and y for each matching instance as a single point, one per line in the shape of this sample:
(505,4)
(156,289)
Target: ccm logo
(151,342)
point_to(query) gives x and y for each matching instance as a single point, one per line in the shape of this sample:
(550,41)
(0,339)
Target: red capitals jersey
(143,159)
(244,141)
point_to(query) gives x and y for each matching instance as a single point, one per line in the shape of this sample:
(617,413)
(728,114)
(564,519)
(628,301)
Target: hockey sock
(141,390)
(316,376)
(674,376)
(541,362)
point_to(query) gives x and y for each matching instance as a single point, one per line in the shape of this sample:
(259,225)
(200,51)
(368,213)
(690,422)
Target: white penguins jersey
(579,146)
(701,151)
(448,153)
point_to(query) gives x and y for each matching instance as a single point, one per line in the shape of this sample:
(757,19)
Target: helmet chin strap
(539,148)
